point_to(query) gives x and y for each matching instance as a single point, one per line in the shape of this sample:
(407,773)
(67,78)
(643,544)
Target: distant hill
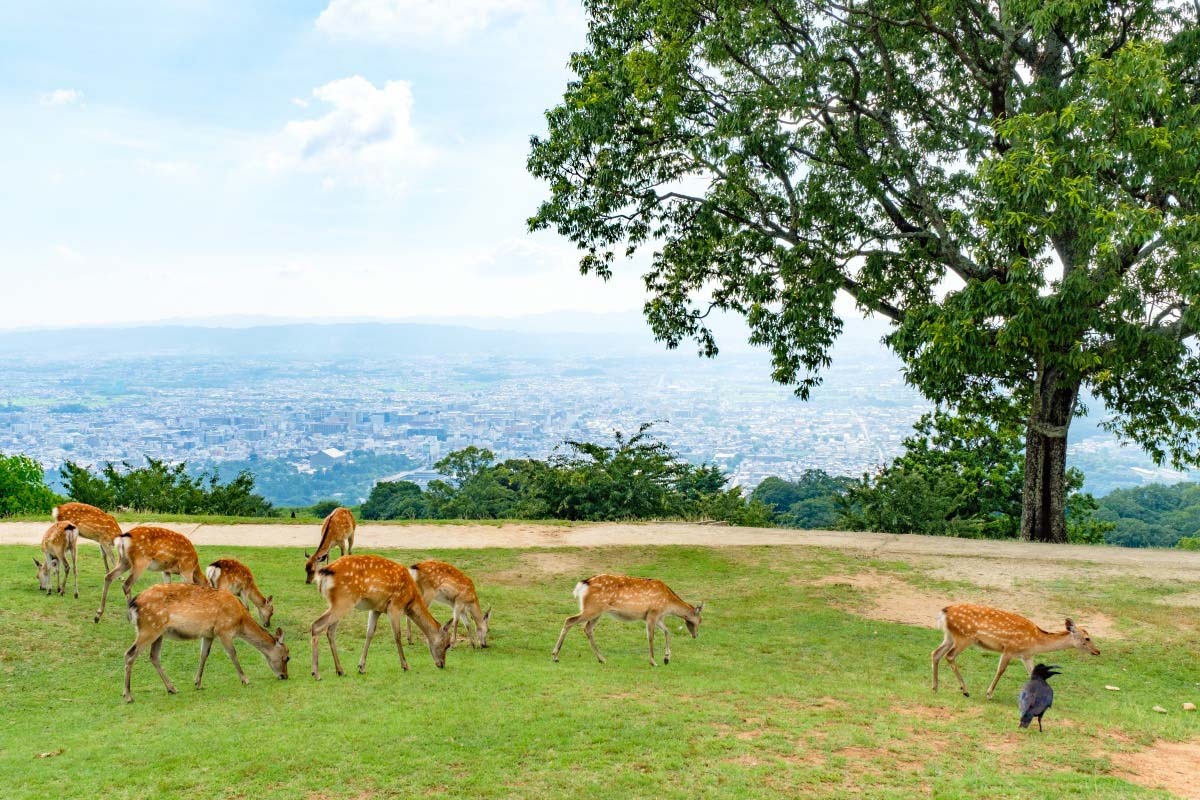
(312,340)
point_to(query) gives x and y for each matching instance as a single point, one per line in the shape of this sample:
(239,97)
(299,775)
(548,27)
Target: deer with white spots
(337,529)
(629,599)
(91,523)
(183,611)
(378,586)
(444,583)
(1003,632)
(149,547)
(236,578)
(60,541)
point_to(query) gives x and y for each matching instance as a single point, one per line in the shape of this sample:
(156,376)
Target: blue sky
(341,158)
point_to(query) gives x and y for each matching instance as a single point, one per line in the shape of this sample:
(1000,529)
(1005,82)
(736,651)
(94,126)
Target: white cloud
(62,97)
(367,137)
(67,253)
(446,19)
(523,256)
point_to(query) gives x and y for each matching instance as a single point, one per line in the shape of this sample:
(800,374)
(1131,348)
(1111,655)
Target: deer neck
(418,612)
(254,633)
(258,598)
(1048,642)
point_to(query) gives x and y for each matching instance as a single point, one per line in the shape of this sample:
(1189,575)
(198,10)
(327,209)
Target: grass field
(787,692)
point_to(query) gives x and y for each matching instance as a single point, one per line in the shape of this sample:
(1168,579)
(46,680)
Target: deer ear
(38,563)
(488,614)
(700,608)
(306,555)
(448,625)
(279,634)
(323,559)
(1070,625)
(270,598)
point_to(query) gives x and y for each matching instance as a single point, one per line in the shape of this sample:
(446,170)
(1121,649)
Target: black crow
(1037,696)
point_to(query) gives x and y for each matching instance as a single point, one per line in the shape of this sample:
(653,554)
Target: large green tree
(1012,184)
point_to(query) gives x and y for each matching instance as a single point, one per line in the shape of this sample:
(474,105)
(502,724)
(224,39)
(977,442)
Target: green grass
(783,694)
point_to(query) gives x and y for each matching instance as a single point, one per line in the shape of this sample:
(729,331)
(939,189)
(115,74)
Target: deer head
(692,620)
(483,627)
(439,644)
(1080,639)
(268,611)
(44,572)
(311,565)
(278,656)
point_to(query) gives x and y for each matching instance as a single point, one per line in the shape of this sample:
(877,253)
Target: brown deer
(338,528)
(148,547)
(446,584)
(1010,635)
(91,523)
(184,611)
(377,585)
(237,579)
(629,599)
(58,542)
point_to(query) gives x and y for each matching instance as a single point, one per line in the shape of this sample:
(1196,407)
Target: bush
(23,488)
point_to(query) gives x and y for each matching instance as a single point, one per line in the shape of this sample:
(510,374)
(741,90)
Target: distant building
(421,477)
(327,457)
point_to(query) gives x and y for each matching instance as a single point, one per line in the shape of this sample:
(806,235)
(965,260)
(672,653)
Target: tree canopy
(1013,185)
(163,487)
(23,488)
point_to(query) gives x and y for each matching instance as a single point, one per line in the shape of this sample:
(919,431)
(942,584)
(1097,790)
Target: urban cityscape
(306,415)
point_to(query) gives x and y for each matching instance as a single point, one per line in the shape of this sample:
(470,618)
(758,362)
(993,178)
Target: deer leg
(409,622)
(937,655)
(1028,662)
(952,660)
(166,577)
(394,615)
(331,635)
(227,643)
(107,554)
(130,656)
(569,623)
(155,650)
(319,626)
(372,619)
(667,637)
(651,624)
(108,579)
(1004,659)
(75,569)
(205,647)
(134,573)
(591,637)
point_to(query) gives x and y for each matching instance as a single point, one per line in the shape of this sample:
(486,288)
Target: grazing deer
(59,541)
(91,523)
(1010,635)
(148,547)
(446,584)
(629,599)
(377,585)
(236,578)
(338,528)
(184,611)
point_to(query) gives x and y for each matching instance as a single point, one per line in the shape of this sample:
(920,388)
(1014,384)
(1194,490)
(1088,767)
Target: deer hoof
(966,694)
(362,670)
(128,698)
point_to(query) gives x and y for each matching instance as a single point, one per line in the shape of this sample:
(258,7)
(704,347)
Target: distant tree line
(635,477)
(164,488)
(1153,516)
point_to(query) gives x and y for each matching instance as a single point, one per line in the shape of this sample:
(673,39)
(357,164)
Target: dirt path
(1162,564)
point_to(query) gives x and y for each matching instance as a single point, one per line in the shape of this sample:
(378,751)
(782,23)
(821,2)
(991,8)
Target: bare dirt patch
(893,599)
(1172,766)
(550,563)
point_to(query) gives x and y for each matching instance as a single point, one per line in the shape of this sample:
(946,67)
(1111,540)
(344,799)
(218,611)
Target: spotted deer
(337,529)
(378,586)
(91,523)
(629,599)
(60,541)
(236,578)
(148,547)
(1010,635)
(184,611)
(446,584)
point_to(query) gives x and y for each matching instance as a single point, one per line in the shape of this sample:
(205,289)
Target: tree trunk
(1044,498)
